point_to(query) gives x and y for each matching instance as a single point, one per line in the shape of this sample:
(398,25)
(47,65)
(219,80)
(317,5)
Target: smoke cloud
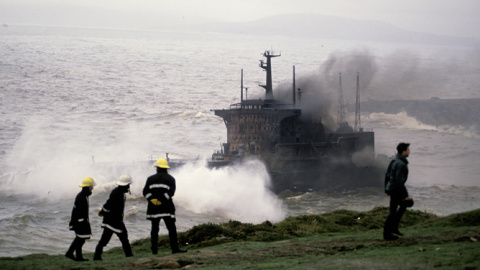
(401,74)
(319,91)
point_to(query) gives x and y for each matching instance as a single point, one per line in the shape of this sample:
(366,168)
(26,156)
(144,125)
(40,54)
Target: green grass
(337,240)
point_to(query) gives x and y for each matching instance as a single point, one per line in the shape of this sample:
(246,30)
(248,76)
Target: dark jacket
(79,221)
(113,210)
(160,186)
(396,177)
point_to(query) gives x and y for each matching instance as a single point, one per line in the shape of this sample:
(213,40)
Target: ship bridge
(255,126)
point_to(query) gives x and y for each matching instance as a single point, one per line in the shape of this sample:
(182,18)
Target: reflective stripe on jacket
(160,186)
(79,221)
(113,210)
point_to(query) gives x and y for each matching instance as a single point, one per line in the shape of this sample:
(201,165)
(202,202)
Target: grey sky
(447,17)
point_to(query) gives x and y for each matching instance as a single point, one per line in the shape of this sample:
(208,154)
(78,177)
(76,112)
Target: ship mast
(268,68)
(293,85)
(341,106)
(241,87)
(357,126)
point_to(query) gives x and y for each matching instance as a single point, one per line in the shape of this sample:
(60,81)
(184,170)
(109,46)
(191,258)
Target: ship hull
(318,174)
(338,178)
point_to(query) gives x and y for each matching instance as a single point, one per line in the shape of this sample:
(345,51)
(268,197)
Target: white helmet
(124,180)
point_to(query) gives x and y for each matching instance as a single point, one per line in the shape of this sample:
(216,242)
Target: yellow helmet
(88,182)
(161,163)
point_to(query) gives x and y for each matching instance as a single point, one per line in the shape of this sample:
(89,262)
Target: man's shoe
(397,232)
(97,258)
(70,256)
(389,237)
(179,251)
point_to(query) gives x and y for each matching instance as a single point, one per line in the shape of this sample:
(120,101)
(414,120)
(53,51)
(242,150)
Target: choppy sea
(78,103)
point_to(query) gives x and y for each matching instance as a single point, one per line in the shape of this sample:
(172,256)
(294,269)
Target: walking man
(79,221)
(159,190)
(395,179)
(112,212)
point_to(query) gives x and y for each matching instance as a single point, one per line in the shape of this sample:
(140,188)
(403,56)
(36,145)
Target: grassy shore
(337,240)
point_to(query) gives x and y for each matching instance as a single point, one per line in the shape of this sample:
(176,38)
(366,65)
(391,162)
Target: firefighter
(159,190)
(79,222)
(112,212)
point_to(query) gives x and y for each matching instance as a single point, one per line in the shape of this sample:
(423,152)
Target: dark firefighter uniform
(79,222)
(112,212)
(159,190)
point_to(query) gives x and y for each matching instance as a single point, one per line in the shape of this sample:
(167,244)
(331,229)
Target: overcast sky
(447,17)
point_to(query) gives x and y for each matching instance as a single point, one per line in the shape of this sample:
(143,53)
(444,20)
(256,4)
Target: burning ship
(299,152)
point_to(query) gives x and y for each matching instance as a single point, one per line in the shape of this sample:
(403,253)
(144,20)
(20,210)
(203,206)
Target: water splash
(238,192)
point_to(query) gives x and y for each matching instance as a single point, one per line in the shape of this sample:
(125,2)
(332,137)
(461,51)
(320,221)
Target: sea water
(78,103)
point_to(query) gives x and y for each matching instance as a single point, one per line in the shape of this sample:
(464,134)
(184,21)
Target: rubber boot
(80,256)
(128,250)
(154,243)
(70,251)
(154,248)
(79,250)
(76,246)
(98,253)
(172,235)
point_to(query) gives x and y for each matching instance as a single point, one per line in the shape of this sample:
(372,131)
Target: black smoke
(320,89)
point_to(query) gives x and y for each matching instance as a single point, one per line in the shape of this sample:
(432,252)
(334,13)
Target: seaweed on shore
(333,222)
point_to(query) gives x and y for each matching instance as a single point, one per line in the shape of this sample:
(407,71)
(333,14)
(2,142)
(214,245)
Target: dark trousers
(172,233)
(107,235)
(395,213)
(76,246)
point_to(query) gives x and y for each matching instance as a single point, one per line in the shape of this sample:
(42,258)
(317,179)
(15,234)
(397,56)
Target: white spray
(238,192)
(50,159)
(50,162)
